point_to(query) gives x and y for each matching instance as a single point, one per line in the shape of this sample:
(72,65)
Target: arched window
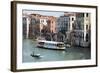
(87,37)
(72,19)
(86,27)
(87,15)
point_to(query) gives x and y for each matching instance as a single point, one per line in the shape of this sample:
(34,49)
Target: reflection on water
(29,46)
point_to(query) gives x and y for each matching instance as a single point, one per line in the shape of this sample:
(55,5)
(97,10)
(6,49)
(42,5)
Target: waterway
(73,53)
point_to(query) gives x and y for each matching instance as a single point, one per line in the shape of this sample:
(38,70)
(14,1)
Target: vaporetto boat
(50,44)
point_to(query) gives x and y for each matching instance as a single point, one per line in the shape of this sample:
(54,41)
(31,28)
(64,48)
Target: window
(41,43)
(86,27)
(72,19)
(52,22)
(87,15)
(73,27)
(24,20)
(42,21)
(87,37)
(82,14)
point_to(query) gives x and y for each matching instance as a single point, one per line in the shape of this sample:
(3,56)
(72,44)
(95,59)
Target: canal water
(74,53)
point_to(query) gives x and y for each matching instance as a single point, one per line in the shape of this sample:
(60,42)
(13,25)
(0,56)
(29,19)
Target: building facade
(26,21)
(73,28)
(62,24)
(35,24)
(65,24)
(72,19)
(82,29)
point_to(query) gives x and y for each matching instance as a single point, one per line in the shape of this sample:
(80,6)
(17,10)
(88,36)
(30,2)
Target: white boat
(50,44)
(36,55)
